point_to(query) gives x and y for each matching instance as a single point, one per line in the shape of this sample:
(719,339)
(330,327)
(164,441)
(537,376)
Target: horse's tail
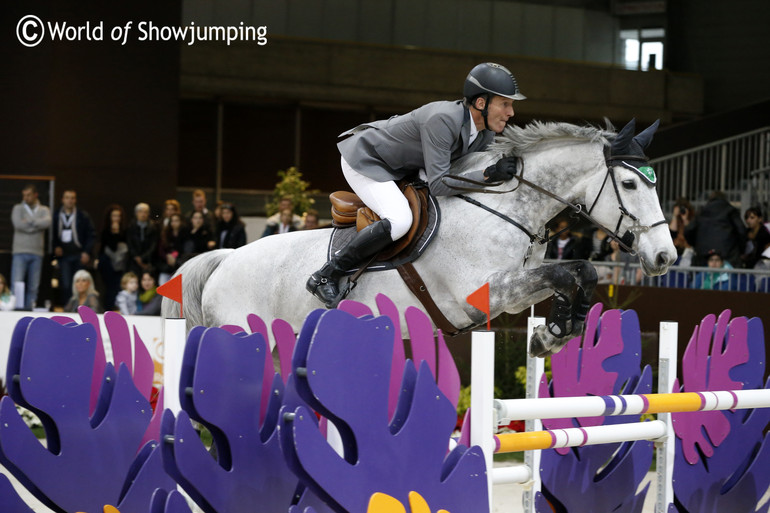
(195,272)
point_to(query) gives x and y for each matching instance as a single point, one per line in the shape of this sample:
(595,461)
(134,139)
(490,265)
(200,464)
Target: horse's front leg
(573,285)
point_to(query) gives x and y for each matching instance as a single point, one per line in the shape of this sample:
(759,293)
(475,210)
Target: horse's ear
(624,138)
(645,138)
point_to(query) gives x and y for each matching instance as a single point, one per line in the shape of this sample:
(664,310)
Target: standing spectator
(284,224)
(112,253)
(682,215)
(149,299)
(73,240)
(30,221)
(199,205)
(231,232)
(567,246)
(142,237)
(170,207)
(275,219)
(172,239)
(718,226)
(83,293)
(7,299)
(758,237)
(127,299)
(199,240)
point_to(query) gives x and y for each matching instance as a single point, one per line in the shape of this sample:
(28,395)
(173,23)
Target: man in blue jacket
(375,155)
(73,240)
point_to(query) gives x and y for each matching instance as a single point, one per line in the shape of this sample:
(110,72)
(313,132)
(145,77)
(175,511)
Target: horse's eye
(629,185)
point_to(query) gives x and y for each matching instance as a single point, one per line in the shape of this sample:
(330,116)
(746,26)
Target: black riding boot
(323,283)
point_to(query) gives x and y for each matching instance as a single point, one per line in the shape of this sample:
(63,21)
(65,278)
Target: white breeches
(385,198)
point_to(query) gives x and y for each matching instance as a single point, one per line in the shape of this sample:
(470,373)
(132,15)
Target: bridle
(625,241)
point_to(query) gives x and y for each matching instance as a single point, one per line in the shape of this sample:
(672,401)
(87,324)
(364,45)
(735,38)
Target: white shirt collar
(474,132)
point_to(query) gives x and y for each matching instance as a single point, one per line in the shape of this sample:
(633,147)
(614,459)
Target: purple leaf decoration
(222,384)
(731,475)
(90,461)
(394,458)
(10,500)
(601,477)
(165,502)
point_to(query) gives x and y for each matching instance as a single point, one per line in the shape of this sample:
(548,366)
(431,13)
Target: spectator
(231,232)
(127,298)
(149,299)
(7,299)
(199,240)
(567,246)
(275,219)
(83,293)
(172,239)
(30,221)
(170,207)
(625,275)
(284,224)
(73,240)
(311,220)
(199,205)
(142,238)
(709,280)
(718,226)
(600,245)
(758,237)
(112,252)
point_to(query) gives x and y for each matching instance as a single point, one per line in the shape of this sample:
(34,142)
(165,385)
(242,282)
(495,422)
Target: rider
(375,155)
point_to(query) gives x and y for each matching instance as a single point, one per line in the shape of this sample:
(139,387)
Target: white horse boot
(323,283)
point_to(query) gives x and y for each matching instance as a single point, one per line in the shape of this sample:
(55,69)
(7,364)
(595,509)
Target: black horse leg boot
(324,283)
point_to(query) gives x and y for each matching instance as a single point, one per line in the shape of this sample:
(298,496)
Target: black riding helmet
(488,79)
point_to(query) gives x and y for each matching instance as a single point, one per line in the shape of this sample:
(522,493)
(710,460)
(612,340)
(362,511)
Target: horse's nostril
(661,260)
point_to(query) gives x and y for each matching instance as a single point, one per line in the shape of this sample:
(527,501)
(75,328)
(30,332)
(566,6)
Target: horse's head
(626,202)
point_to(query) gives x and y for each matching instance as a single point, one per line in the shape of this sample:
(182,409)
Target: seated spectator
(567,246)
(284,224)
(199,239)
(275,219)
(758,237)
(231,232)
(126,300)
(711,280)
(172,239)
(83,293)
(717,226)
(149,299)
(7,299)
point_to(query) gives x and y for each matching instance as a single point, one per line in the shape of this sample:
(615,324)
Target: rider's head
(489,91)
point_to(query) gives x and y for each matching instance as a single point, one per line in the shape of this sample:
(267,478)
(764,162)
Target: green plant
(292,185)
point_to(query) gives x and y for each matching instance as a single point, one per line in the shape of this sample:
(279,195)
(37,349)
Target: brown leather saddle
(348,209)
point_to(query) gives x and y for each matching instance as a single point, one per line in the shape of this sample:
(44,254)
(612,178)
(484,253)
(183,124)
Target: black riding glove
(503,170)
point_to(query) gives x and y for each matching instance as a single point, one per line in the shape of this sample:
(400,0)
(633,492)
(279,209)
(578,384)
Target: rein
(624,241)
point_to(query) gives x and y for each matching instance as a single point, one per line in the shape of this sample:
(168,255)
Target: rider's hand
(503,170)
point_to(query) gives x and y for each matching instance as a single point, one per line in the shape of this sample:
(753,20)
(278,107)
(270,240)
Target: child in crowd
(7,299)
(126,300)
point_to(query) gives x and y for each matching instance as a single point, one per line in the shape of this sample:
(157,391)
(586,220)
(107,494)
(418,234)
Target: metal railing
(732,165)
(703,278)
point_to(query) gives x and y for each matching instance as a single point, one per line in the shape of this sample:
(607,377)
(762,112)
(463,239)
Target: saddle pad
(341,236)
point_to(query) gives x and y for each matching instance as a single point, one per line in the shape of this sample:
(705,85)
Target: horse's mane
(516,140)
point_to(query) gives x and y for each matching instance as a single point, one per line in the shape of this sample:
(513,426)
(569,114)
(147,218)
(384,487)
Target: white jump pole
(482,397)
(174,337)
(535,369)
(665,449)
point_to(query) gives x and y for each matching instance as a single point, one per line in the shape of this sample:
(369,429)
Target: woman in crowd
(7,299)
(170,207)
(231,232)
(199,238)
(758,237)
(149,299)
(172,239)
(83,293)
(112,252)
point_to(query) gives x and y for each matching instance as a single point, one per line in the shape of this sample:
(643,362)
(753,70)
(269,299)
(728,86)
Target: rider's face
(499,111)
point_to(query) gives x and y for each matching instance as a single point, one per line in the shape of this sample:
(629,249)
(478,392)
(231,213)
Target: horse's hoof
(538,345)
